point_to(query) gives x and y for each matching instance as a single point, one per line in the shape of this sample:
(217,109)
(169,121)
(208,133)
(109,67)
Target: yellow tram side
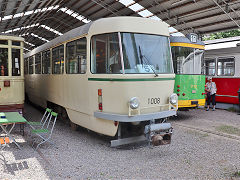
(11,73)
(97,98)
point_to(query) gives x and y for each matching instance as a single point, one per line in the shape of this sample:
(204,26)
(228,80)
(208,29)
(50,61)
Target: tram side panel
(190,90)
(79,96)
(227,90)
(69,91)
(116,95)
(227,85)
(11,93)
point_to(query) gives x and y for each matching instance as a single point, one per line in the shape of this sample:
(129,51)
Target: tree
(220,35)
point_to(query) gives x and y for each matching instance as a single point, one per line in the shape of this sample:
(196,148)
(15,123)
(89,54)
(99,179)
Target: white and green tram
(113,76)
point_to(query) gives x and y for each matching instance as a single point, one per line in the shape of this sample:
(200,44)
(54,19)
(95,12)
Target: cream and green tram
(11,74)
(113,76)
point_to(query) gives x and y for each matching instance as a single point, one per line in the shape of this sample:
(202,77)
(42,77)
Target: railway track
(230,136)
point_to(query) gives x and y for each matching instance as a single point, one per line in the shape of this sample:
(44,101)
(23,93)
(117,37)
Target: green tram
(187,53)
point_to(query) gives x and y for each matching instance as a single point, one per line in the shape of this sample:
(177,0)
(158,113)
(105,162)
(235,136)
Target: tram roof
(40,21)
(107,25)
(181,39)
(223,51)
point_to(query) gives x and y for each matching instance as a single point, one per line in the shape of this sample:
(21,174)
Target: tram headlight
(134,103)
(173,99)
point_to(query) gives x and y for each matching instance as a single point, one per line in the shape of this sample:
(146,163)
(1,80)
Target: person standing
(211,93)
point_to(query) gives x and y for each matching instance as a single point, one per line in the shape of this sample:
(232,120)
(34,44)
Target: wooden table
(11,118)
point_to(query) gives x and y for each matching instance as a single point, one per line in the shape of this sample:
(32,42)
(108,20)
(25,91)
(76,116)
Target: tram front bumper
(136,118)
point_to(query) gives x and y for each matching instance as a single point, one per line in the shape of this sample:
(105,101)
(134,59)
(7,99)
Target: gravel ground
(87,155)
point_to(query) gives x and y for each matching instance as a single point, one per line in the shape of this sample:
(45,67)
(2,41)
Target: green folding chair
(46,131)
(45,117)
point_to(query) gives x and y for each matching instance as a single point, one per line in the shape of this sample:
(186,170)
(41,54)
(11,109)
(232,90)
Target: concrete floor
(199,149)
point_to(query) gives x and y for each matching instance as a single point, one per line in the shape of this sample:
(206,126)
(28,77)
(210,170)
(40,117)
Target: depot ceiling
(39,21)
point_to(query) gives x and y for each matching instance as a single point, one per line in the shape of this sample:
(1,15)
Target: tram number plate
(153,100)
(193,91)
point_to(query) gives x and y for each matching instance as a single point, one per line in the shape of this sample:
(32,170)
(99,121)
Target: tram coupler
(158,134)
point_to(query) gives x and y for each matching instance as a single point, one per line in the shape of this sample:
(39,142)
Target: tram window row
(52,61)
(222,66)
(9,51)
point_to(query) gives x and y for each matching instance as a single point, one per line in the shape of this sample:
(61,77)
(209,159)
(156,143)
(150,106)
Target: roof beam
(226,12)
(66,19)
(13,13)
(61,3)
(24,10)
(31,16)
(3,8)
(197,10)
(124,7)
(203,17)
(115,12)
(150,6)
(219,30)
(36,17)
(214,23)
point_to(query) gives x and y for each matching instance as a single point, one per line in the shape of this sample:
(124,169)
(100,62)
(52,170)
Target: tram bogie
(107,76)
(11,73)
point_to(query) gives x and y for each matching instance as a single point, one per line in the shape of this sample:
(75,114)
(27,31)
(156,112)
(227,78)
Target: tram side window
(16,43)
(38,63)
(58,60)
(105,54)
(31,65)
(209,67)
(5,42)
(76,56)
(46,69)
(26,66)
(3,62)
(16,66)
(226,66)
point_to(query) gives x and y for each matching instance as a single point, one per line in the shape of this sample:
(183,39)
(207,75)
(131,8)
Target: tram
(11,74)
(223,65)
(106,76)
(187,54)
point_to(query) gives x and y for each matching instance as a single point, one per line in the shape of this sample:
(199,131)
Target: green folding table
(10,119)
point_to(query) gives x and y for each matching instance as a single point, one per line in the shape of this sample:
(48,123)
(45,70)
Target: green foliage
(220,35)
(236,174)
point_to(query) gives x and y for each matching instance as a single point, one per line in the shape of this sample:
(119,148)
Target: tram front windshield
(141,54)
(187,60)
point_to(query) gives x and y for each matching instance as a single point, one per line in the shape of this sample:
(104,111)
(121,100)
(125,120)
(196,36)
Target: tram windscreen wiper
(142,57)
